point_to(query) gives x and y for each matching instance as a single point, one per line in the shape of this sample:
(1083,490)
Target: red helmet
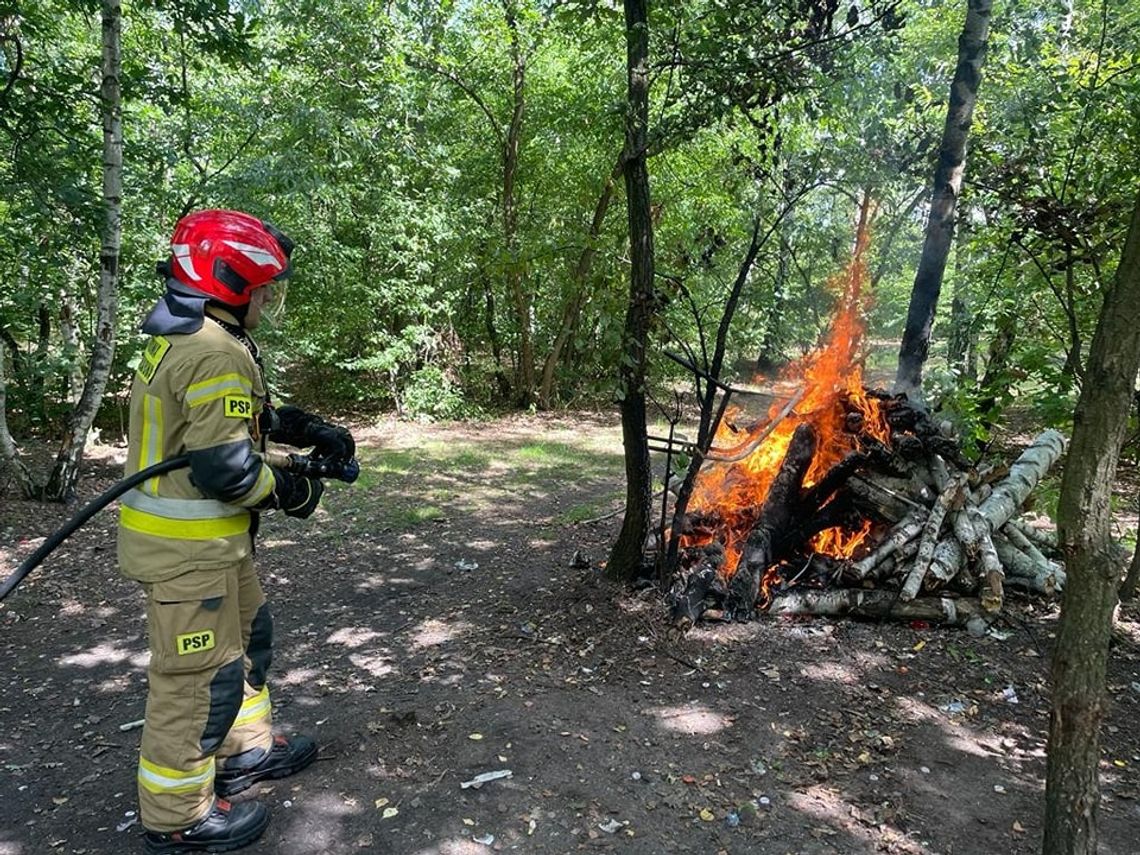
(227,254)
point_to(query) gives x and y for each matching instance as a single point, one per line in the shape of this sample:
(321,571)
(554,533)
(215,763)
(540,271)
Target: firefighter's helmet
(226,255)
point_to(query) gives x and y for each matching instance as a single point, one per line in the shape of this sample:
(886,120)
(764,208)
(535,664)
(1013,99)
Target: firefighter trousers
(211,641)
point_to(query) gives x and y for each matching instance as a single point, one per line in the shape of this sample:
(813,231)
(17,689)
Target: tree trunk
(578,286)
(9,454)
(943,204)
(960,352)
(626,556)
(1072,794)
(521,297)
(63,477)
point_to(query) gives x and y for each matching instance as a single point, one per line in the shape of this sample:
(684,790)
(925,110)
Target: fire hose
(313,467)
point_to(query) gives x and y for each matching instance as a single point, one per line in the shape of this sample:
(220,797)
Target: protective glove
(332,441)
(300,429)
(297,495)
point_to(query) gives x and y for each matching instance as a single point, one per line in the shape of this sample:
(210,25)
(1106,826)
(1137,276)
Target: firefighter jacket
(197,393)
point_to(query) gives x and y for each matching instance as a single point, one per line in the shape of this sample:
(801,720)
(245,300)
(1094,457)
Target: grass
(414,516)
(479,474)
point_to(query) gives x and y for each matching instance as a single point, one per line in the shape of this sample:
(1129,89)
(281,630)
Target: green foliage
(432,395)
(372,133)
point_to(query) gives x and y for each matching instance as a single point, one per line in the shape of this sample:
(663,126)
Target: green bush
(431,394)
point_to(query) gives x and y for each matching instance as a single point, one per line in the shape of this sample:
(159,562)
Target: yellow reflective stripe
(217,387)
(254,708)
(162,779)
(176,529)
(264,486)
(152,436)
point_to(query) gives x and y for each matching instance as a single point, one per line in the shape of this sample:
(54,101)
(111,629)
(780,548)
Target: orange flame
(830,376)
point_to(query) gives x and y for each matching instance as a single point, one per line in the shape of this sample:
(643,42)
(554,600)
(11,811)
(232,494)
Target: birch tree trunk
(1072,791)
(625,558)
(9,454)
(61,484)
(944,202)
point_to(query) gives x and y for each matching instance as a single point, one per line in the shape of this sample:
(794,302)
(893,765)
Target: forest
(535,209)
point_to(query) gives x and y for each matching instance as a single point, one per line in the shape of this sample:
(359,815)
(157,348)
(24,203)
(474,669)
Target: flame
(832,380)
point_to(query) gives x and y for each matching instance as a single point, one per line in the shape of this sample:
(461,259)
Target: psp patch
(194,642)
(237,406)
(152,357)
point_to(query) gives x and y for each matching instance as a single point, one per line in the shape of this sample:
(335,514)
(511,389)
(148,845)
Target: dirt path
(430,626)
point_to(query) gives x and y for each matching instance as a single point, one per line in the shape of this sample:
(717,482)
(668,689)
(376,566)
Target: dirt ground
(444,617)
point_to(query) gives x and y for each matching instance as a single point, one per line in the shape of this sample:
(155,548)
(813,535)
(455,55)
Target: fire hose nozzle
(325,467)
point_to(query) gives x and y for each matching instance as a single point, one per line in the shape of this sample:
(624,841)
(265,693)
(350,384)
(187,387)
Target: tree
(61,484)
(944,201)
(1084,517)
(625,558)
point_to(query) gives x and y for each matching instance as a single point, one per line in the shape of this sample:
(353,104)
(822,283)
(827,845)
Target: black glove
(297,495)
(300,429)
(332,442)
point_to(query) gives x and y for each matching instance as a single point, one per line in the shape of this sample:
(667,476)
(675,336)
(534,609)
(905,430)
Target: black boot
(284,757)
(224,828)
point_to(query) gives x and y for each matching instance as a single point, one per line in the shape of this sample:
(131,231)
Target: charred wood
(701,589)
(775,517)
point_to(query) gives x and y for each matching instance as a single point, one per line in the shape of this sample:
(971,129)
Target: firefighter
(187,536)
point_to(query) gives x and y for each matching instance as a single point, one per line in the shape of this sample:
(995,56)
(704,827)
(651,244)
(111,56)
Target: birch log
(1005,500)
(876,604)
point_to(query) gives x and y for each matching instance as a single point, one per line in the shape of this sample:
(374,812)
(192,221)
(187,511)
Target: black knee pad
(260,650)
(227,691)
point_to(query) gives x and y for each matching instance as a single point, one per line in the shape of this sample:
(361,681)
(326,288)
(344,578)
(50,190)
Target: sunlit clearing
(456,846)
(693,719)
(10,848)
(352,636)
(376,664)
(105,654)
(434,632)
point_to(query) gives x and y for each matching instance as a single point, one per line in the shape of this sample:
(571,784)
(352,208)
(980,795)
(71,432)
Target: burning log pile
(863,506)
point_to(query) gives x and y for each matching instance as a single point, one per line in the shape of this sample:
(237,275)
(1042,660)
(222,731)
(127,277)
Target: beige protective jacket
(198,394)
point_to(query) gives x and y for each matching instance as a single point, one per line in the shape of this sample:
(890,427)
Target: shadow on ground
(430,627)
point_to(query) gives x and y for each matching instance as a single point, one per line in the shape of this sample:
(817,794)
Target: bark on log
(1049,578)
(907,530)
(966,534)
(1004,502)
(1024,475)
(877,500)
(877,604)
(993,593)
(950,497)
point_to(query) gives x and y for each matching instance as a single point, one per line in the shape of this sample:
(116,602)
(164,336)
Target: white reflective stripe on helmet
(182,256)
(179,509)
(255,254)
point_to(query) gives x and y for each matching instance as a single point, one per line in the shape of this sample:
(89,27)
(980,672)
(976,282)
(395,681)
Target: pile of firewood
(946,538)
